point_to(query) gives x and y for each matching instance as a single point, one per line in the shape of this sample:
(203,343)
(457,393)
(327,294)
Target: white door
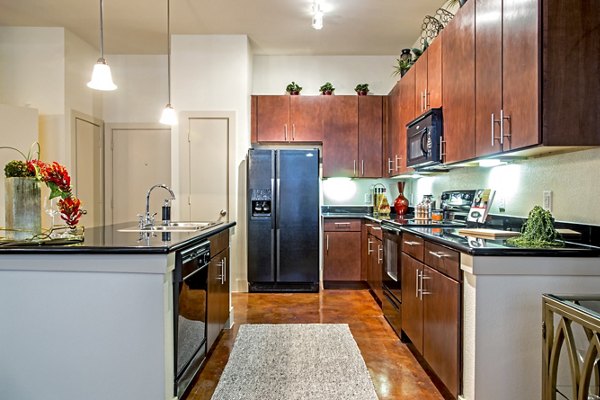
(141,158)
(88,176)
(208,169)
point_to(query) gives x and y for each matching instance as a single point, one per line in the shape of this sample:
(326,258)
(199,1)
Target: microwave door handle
(424,139)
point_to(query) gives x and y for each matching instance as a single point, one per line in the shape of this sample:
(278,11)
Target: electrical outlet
(547,203)
(501,204)
(368,198)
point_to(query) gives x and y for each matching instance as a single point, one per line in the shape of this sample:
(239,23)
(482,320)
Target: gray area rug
(295,361)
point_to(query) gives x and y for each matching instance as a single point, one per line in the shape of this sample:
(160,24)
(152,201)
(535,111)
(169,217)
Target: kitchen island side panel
(84,335)
(502,325)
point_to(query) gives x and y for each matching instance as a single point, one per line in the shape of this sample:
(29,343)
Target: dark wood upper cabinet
(305,119)
(434,72)
(420,70)
(458,85)
(370,136)
(408,111)
(287,119)
(340,136)
(393,131)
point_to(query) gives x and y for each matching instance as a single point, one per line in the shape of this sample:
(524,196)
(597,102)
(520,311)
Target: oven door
(392,273)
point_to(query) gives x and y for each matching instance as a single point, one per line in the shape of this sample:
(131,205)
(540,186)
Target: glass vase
(23,208)
(401,202)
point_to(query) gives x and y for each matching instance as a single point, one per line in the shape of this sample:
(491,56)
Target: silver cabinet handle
(379,252)
(327,243)
(442,154)
(423,278)
(341,223)
(224,268)
(285,131)
(492,130)
(390,163)
(397,158)
(293,131)
(502,134)
(438,255)
(418,284)
(362,167)
(354,167)
(408,242)
(369,243)
(427,97)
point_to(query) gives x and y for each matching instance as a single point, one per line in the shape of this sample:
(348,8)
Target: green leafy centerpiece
(538,231)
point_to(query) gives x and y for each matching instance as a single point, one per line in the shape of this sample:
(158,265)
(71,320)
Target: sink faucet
(147,219)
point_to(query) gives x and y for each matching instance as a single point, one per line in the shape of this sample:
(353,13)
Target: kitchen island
(92,320)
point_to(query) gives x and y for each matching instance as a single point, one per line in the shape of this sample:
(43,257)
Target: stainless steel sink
(174,226)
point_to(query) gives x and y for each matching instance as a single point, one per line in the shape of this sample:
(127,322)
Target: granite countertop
(498,247)
(108,239)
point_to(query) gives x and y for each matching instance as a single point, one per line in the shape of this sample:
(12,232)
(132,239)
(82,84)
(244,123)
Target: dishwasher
(190,292)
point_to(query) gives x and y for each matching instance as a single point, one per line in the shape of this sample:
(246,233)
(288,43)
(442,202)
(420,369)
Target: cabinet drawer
(413,245)
(375,230)
(219,242)
(345,225)
(445,260)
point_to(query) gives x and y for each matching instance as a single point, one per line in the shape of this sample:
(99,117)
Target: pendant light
(317,21)
(169,116)
(101,76)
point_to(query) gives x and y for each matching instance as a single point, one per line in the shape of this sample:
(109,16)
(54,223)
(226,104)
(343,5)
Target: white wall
(211,73)
(18,129)
(572,177)
(142,89)
(273,73)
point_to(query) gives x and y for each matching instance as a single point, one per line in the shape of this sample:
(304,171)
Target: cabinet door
(488,75)
(224,291)
(407,114)
(377,268)
(342,256)
(520,82)
(441,326)
(272,118)
(370,136)
(434,73)
(305,117)
(412,306)
(393,130)
(458,85)
(214,299)
(340,136)
(420,68)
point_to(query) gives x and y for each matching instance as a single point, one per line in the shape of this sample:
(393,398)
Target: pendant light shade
(101,76)
(169,116)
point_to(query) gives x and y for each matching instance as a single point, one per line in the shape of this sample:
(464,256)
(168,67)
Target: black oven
(190,290)
(391,277)
(424,140)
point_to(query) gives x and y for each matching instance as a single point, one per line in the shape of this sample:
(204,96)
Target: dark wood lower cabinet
(374,266)
(342,261)
(217,297)
(431,318)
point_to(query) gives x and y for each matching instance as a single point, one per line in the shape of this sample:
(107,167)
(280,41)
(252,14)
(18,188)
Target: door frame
(75,115)
(108,158)
(183,167)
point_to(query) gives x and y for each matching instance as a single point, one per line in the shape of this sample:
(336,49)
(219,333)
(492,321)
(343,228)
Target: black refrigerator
(283,220)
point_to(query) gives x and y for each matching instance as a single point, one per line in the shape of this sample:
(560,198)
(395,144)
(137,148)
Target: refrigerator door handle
(273,214)
(277,256)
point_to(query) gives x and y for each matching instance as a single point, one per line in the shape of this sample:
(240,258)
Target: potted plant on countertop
(362,89)
(23,194)
(293,89)
(327,89)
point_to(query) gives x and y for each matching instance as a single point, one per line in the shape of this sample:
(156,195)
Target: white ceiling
(351,27)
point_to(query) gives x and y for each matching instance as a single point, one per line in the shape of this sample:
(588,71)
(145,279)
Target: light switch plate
(547,202)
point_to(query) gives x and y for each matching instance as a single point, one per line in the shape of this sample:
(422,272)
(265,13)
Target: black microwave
(424,140)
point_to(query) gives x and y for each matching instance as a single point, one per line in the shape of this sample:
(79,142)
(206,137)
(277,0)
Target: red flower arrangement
(56,177)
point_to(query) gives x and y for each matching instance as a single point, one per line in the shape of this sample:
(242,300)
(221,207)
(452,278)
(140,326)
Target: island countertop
(109,239)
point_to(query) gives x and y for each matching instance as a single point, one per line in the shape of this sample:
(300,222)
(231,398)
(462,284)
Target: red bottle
(401,202)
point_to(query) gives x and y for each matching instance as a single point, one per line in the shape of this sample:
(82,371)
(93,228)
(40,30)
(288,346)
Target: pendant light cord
(102,29)
(169,47)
